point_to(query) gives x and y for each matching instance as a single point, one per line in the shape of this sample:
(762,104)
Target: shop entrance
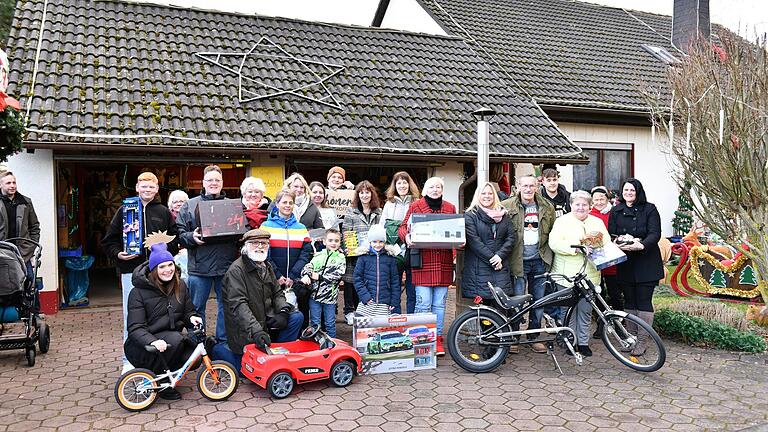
(88,196)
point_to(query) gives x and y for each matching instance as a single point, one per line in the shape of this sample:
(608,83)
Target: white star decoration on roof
(268,52)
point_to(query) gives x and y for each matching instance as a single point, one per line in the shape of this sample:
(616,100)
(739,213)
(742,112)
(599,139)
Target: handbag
(414,258)
(374,309)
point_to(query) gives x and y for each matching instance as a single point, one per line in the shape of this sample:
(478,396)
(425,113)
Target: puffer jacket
(516,212)
(289,244)
(151,311)
(486,238)
(330,266)
(395,209)
(156,217)
(250,296)
(377,278)
(211,258)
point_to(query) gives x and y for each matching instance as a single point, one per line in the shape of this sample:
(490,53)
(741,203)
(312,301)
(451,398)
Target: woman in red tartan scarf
(436,273)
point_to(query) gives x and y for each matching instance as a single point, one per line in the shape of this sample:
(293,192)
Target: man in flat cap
(255,310)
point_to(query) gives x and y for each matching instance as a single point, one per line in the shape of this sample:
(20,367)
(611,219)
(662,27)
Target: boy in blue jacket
(377,280)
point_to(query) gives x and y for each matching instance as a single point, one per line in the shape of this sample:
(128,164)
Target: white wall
(451,174)
(35,177)
(651,165)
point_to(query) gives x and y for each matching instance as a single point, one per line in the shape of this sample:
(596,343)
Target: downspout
(381,10)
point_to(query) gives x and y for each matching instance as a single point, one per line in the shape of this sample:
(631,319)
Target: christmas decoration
(11,123)
(717,279)
(747,276)
(683,220)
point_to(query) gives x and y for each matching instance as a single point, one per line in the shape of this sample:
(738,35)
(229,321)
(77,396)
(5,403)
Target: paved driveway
(71,389)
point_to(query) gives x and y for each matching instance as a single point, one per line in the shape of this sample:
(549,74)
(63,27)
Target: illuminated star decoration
(267,53)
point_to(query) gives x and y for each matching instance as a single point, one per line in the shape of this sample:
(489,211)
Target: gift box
(606,256)
(220,219)
(395,343)
(132,226)
(436,230)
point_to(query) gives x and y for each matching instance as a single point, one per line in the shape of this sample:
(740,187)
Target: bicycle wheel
(133,390)
(227,381)
(464,347)
(642,352)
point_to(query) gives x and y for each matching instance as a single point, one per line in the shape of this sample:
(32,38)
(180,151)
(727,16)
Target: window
(609,165)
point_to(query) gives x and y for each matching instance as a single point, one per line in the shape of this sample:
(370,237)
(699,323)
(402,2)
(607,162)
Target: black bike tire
(662,357)
(453,350)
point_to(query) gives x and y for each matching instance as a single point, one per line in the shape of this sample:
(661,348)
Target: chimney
(690,21)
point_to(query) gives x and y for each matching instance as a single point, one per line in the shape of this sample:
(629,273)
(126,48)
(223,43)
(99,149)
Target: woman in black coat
(159,307)
(637,225)
(490,239)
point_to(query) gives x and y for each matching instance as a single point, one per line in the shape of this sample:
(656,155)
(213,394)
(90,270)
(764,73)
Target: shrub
(695,329)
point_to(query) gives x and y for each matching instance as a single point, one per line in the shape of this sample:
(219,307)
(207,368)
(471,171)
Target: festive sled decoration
(715,273)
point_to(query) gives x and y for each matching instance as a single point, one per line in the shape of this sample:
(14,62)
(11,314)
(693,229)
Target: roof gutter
(613,116)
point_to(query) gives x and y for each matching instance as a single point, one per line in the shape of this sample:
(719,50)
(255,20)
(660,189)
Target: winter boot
(642,342)
(630,326)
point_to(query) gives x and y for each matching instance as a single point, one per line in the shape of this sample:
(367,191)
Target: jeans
(536,288)
(328,313)
(199,291)
(410,294)
(432,299)
(290,333)
(127,283)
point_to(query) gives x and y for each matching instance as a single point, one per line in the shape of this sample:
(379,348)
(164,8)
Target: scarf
(434,204)
(495,214)
(301,207)
(607,209)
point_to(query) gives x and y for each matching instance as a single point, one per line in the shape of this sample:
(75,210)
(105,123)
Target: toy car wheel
(280,385)
(133,390)
(31,356)
(45,338)
(226,375)
(342,373)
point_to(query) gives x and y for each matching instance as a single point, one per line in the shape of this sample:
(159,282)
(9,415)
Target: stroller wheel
(45,338)
(31,356)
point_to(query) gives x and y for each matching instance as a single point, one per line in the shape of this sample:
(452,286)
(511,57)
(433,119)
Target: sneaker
(514,349)
(170,394)
(539,347)
(439,351)
(350,317)
(585,351)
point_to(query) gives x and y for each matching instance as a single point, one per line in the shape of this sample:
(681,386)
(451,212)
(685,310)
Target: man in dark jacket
(557,194)
(255,309)
(155,218)
(207,261)
(18,217)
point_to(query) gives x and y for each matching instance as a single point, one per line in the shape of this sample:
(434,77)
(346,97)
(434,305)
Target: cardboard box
(132,226)
(396,343)
(220,219)
(437,231)
(607,256)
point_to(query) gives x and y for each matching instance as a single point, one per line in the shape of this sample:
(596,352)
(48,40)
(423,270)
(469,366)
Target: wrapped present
(132,226)
(606,256)
(437,230)
(220,219)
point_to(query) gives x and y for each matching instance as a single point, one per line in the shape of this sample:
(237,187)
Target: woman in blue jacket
(377,280)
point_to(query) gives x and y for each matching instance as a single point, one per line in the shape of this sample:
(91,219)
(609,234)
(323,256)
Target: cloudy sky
(744,16)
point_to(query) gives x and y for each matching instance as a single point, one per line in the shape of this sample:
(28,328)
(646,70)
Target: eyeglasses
(258,244)
(213,180)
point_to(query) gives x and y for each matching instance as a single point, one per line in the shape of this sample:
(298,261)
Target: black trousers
(177,353)
(351,298)
(638,296)
(612,292)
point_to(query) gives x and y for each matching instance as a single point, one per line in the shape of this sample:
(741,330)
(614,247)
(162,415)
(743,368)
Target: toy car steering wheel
(310,332)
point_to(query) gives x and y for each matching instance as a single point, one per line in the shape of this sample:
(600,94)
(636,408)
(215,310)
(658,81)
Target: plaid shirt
(437,264)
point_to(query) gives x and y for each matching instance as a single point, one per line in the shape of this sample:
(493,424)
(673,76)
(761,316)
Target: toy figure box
(395,343)
(220,219)
(132,228)
(437,231)
(606,256)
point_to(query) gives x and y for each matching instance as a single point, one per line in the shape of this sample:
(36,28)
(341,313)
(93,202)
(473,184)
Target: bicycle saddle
(506,301)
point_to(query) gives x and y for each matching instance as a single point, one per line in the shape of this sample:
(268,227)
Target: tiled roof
(565,52)
(114,73)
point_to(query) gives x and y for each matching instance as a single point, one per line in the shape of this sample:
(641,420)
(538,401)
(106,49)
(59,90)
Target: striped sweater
(289,245)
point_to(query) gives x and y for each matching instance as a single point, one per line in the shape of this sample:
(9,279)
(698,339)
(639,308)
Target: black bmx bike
(479,339)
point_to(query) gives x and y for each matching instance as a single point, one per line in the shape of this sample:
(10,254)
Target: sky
(747,17)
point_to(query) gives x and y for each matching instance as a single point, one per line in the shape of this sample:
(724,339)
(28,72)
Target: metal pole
(483,137)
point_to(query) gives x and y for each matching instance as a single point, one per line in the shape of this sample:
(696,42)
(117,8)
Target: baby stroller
(19,290)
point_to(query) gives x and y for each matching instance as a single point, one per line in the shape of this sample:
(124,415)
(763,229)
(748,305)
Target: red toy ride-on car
(315,356)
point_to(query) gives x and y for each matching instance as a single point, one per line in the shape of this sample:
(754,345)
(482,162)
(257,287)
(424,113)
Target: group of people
(276,279)
(511,242)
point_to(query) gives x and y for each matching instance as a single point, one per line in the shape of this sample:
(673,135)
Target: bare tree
(719,125)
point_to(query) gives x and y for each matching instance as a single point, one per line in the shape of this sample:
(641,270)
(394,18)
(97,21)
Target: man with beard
(255,310)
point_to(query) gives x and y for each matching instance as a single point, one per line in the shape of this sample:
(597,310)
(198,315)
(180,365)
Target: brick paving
(71,389)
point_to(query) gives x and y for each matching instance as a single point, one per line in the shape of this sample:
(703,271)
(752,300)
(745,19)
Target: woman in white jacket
(400,194)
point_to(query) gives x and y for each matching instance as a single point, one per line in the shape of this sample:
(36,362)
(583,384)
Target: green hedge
(696,329)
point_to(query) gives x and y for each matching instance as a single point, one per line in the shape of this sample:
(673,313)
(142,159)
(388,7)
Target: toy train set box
(395,343)
(220,218)
(437,230)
